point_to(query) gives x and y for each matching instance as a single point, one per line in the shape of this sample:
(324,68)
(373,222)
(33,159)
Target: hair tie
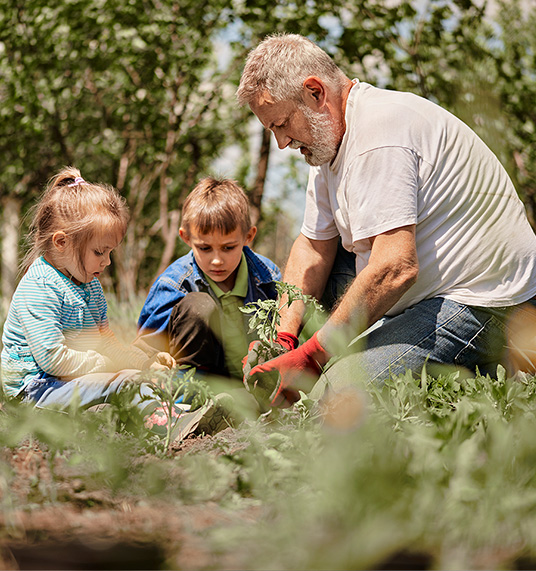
(77,180)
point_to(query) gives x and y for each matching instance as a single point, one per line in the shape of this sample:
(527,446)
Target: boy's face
(217,254)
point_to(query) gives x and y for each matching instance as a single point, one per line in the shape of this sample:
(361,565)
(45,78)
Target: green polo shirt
(235,344)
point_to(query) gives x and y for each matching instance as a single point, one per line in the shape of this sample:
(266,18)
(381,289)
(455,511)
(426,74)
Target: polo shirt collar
(240,288)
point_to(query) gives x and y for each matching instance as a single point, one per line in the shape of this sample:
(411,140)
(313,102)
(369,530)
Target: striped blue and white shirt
(56,327)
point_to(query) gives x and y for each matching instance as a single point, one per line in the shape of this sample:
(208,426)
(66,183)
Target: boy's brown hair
(216,205)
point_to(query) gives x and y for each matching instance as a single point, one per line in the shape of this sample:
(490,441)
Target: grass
(444,467)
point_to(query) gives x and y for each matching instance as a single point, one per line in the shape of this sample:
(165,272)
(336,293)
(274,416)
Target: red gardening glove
(287,340)
(283,372)
(259,353)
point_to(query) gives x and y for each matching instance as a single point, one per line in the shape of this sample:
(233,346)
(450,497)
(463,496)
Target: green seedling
(168,386)
(265,320)
(265,314)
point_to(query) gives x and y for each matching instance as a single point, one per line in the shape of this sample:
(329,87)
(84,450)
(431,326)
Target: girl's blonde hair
(80,209)
(216,204)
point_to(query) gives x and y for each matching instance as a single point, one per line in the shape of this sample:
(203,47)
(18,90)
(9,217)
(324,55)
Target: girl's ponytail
(68,176)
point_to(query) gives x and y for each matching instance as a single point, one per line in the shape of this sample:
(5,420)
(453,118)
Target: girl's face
(95,257)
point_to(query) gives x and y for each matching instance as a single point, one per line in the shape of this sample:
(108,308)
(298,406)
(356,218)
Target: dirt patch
(227,441)
(76,527)
(140,535)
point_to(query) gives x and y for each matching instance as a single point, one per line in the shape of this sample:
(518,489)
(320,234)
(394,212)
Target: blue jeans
(341,276)
(437,331)
(86,391)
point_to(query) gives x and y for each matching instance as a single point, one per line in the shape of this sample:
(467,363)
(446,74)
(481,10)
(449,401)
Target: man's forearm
(308,267)
(392,270)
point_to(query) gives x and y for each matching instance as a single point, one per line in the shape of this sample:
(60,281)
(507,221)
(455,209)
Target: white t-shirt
(404,160)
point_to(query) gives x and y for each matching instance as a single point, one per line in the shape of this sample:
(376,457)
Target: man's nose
(282,140)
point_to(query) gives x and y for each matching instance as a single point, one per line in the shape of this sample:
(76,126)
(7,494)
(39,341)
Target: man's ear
(252,232)
(59,241)
(184,236)
(315,93)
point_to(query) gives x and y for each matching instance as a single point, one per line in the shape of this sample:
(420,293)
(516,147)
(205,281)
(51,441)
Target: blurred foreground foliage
(444,466)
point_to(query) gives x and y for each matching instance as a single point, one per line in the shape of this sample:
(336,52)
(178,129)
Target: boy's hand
(277,378)
(162,361)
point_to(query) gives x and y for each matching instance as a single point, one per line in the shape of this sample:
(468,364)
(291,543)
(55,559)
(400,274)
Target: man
(443,248)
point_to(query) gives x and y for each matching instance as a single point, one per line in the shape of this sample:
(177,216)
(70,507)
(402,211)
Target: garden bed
(430,473)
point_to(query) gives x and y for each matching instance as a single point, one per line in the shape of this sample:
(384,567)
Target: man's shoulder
(390,111)
(383,119)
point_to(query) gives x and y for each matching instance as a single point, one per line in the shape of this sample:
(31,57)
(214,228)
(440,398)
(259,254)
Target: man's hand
(287,340)
(258,353)
(276,380)
(162,361)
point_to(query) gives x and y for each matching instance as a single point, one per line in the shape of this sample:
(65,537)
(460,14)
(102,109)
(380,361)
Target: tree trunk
(255,196)
(10,247)
(170,241)
(129,257)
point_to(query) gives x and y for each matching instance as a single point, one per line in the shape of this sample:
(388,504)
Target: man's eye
(228,248)
(204,248)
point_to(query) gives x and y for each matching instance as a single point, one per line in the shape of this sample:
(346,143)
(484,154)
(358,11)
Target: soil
(86,529)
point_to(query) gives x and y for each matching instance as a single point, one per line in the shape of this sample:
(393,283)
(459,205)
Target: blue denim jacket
(184,276)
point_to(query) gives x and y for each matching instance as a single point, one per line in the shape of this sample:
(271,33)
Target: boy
(193,307)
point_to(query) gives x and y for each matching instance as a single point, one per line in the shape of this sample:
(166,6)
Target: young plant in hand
(265,319)
(265,314)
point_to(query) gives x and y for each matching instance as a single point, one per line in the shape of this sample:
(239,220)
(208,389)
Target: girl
(56,339)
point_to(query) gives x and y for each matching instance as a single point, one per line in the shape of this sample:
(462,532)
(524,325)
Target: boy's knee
(194,331)
(195,311)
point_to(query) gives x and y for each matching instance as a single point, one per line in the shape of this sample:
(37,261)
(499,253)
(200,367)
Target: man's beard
(324,136)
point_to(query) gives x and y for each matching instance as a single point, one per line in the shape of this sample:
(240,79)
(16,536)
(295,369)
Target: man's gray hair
(281,63)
